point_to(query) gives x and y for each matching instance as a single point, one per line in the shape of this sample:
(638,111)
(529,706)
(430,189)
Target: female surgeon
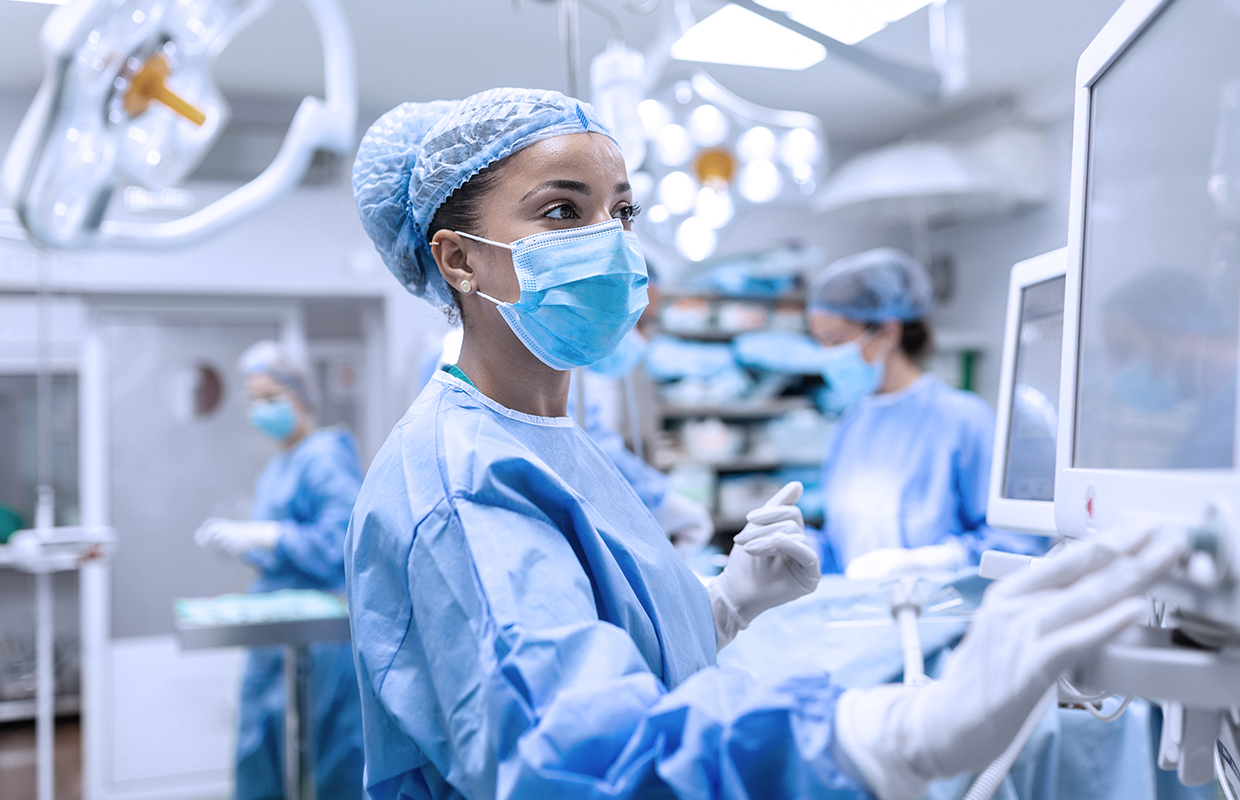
(522,627)
(906,473)
(295,539)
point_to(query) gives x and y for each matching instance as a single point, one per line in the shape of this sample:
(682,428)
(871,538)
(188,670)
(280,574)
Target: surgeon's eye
(562,211)
(628,213)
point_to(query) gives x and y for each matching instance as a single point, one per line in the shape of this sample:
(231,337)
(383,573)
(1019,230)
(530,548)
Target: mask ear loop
(509,247)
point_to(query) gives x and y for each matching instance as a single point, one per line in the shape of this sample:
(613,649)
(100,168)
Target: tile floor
(17,760)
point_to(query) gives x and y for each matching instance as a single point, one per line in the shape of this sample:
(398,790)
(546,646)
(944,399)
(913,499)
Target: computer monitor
(1022,472)
(1148,388)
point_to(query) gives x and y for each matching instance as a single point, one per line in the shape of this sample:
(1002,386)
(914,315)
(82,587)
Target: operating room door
(178,450)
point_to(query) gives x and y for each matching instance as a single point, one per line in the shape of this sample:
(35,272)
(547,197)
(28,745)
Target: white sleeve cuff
(870,731)
(727,619)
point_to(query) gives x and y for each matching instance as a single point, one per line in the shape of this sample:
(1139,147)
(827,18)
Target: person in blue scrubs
(295,540)
(522,627)
(906,474)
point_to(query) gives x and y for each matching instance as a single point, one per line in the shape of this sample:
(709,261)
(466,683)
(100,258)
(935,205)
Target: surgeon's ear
(451,258)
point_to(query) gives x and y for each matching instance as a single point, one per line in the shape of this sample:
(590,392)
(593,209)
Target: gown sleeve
(312,542)
(971,480)
(486,669)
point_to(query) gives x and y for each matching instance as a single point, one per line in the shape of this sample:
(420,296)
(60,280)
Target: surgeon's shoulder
(965,409)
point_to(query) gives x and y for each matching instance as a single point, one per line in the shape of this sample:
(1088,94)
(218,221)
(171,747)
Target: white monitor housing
(1149,380)
(1022,472)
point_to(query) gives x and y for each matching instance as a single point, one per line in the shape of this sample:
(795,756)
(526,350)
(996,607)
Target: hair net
(874,286)
(271,359)
(416,155)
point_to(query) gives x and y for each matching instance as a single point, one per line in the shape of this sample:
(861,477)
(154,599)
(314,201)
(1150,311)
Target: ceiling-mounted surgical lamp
(128,96)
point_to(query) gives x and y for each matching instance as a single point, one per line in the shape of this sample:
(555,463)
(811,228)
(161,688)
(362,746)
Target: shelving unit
(954,360)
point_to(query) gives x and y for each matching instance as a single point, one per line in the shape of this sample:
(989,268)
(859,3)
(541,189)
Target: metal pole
(570,35)
(305,725)
(44,519)
(635,423)
(45,685)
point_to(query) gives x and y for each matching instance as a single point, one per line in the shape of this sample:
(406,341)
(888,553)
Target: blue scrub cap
(874,286)
(416,155)
(269,358)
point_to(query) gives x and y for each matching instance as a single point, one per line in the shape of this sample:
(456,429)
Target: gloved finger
(1080,559)
(1066,647)
(765,515)
(788,495)
(1124,577)
(785,546)
(753,532)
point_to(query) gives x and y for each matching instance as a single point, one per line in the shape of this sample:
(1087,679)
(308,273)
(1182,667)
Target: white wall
(985,250)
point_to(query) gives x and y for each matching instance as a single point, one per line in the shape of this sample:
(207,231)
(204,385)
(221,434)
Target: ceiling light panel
(734,35)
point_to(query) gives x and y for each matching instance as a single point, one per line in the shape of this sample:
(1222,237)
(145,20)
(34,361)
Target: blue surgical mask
(629,354)
(848,375)
(275,418)
(1140,389)
(582,290)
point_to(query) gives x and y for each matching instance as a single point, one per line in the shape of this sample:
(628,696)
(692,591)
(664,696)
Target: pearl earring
(466,287)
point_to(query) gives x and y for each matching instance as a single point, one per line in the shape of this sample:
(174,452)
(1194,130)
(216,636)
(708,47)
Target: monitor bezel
(1087,500)
(1028,516)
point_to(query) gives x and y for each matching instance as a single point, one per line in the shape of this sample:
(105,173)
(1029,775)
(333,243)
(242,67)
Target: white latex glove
(1030,628)
(887,562)
(686,522)
(231,537)
(771,563)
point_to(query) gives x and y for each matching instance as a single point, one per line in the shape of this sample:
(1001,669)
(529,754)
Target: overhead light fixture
(847,21)
(734,35)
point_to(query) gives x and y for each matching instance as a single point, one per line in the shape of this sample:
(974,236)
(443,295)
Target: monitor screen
(1160,288)
(1029,471)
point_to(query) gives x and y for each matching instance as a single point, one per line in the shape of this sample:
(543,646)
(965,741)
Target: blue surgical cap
(873,286)
(271,359)
(416,155)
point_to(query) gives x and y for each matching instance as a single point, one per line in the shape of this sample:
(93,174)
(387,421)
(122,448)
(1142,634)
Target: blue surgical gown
(912,468)
(310,490)
(523,630)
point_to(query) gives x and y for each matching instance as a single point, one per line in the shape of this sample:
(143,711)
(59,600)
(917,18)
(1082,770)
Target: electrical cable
(989,780)
(1097,714)
(1221,774)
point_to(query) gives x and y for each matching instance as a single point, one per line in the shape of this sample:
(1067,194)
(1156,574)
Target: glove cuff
(728,621)
(872,727)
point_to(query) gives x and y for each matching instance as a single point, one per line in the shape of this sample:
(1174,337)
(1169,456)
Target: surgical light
(655,117)
(658,214)
(760,182)
(714,206)
(678,192)
(734,35)
(642,184)
(756,144)
(799,146)
(707,126)
(674,145)
(129,98)
(695,239)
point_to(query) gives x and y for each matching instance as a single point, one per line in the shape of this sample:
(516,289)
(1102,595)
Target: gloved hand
(771,563)
(686,522)
(887,562)
(230,537)
(1029,629)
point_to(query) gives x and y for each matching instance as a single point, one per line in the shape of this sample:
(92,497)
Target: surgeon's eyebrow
(623,187)
(565,185)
